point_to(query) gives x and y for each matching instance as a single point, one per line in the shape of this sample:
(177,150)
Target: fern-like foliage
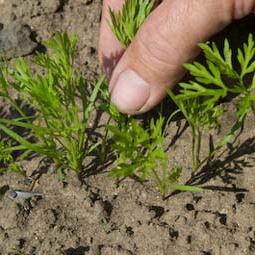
(199,98)
(61,100)
(128,20)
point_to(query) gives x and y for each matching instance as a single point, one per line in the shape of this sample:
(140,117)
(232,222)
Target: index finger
(110,49)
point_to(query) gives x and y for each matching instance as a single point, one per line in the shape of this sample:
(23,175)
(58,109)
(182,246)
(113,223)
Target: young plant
(128,20)
(201,116)
(62,104)
(199,99)
(140,152)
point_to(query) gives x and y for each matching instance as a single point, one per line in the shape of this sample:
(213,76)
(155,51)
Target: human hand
(153,62)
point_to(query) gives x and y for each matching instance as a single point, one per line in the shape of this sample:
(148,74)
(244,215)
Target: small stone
(143,195)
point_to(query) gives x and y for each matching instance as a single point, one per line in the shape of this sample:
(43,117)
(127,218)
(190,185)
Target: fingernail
(130,92)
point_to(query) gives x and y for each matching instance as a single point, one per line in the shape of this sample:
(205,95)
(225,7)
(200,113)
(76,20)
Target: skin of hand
(140,75)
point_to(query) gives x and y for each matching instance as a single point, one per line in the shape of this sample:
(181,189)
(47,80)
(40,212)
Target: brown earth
(102,216)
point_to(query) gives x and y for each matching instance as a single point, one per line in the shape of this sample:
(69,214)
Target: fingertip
(130,93)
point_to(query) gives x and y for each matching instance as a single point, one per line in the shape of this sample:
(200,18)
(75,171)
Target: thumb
(168,39)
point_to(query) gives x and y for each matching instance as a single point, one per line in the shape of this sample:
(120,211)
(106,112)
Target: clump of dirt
(101,216)
(15,40)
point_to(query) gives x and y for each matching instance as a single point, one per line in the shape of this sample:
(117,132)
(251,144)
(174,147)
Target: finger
(110,50)
(167,39)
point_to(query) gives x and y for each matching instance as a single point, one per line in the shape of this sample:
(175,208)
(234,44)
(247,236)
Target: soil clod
(15,40)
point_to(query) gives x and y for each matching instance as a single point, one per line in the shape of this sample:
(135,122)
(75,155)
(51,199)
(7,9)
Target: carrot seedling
(199,99)
(61,100)
(140,152)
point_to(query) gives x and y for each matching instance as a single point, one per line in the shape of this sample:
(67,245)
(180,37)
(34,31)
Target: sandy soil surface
(100,216)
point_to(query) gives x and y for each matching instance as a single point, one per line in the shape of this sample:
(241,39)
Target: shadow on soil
(226,169)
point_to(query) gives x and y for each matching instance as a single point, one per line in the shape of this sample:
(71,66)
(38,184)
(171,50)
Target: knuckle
(241,8)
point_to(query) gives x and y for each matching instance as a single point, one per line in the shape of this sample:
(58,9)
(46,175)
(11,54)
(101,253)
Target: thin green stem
(193,147)
(102,153)
(161,186)
(196,146)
